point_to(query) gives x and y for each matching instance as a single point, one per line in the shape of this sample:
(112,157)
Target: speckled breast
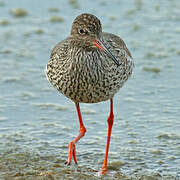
(88,77)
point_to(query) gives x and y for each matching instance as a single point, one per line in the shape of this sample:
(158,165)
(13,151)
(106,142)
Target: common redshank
(89,66)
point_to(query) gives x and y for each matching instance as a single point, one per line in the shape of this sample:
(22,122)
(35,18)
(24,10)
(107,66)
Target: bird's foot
(71,152)
(103,170)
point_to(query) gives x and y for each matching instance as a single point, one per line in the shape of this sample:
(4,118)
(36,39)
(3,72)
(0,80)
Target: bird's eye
(82,31)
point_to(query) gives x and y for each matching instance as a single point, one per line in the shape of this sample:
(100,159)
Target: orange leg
(110,124)
(72,148)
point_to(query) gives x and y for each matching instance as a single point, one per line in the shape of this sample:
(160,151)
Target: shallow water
(37,122)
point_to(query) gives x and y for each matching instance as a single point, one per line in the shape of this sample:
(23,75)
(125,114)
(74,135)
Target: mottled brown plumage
(83,72)
(89,66)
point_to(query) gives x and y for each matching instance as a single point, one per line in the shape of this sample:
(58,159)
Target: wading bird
(89,66)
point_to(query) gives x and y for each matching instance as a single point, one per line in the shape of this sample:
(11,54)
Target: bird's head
(86,28)
(86,32)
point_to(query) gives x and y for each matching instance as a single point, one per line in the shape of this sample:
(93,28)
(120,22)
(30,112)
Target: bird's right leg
(72,148)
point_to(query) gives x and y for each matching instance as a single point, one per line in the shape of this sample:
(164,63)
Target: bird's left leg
(110,124)
(72,148)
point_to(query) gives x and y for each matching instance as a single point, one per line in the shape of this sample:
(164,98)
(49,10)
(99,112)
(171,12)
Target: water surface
(37,122)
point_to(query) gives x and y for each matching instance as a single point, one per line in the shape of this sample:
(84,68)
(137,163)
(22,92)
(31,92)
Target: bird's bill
(99,44)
